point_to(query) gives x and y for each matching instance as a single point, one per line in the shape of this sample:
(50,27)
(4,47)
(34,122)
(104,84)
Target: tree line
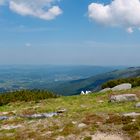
(112,83)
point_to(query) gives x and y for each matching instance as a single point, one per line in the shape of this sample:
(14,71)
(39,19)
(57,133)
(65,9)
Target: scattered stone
(133,120)
(49,115)
(60,130)
(7,113)
(123,98)
(105,90)
(39,116)
(4,113)
(124,86)
(9,127)
(74,122)
(61,111)
(132,114)
(138,105)
(3,118)
(82,125)
(33,116)
(100,101)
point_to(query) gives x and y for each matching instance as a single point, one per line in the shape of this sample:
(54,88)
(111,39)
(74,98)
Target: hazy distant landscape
(17,77)
(63,80)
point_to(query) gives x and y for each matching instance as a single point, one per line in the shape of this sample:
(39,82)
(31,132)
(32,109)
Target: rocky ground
(83,117)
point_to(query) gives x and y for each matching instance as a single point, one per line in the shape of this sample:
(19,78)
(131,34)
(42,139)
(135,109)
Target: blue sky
(71,35)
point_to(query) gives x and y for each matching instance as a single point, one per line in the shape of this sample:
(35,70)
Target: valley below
(47,77)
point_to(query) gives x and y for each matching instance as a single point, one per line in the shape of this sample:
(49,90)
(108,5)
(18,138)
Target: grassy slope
(88,109)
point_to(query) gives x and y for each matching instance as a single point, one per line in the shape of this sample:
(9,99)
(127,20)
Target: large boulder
(123,98)
(124,86)
(105,90)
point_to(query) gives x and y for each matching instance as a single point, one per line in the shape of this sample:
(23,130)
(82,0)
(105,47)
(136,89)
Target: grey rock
(4,118)
(123,98)
(39,116)
(138,105)
(132,114)
(61,111)
(105,90)
(124,86)
(82,125)
(9,127)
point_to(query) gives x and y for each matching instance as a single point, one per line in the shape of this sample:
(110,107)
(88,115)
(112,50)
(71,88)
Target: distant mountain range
(64,80)
(18,77)
(94,83)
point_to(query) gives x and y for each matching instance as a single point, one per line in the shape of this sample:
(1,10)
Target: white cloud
(121,13)
(43,9)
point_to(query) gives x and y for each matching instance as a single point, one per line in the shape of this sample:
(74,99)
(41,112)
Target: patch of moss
(132,128)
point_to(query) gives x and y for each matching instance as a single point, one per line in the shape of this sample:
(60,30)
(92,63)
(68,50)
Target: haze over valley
(46,77)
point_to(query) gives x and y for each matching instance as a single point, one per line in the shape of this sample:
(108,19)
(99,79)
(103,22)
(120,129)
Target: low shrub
(134,81)
(25,95)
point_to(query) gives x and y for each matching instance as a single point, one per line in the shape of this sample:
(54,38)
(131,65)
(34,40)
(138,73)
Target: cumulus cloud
(43,9)
(121,13)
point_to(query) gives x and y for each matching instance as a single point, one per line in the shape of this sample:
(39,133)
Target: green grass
(86,109)
(82,103)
